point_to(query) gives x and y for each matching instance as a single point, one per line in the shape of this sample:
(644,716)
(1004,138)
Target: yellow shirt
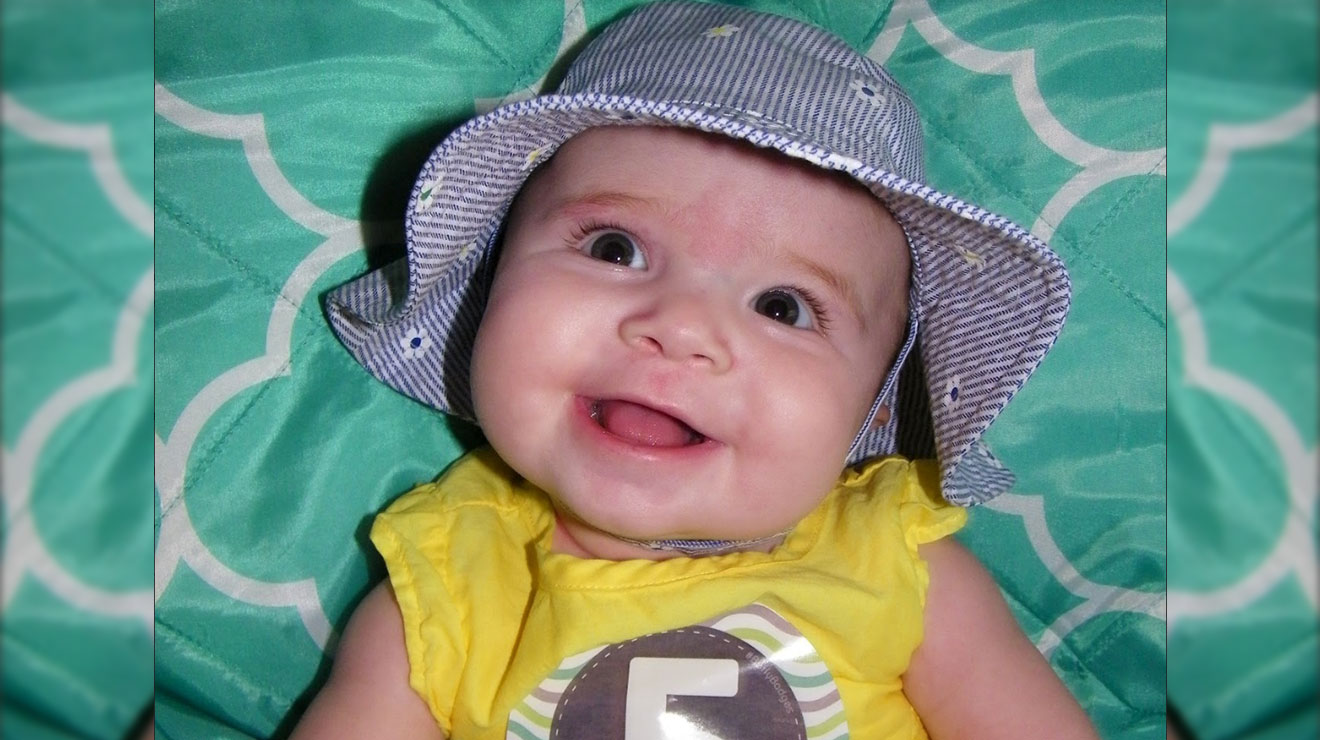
(506,639)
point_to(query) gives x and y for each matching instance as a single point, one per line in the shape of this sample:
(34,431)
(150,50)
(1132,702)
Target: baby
(706,314)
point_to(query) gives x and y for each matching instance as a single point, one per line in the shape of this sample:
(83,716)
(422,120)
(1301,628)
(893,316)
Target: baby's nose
(684,327)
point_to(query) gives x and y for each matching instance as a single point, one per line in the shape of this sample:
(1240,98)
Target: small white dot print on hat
(721,31)
(972,258)
(952,394)
(534,156)
(427,196)
(868,92)
(415,343)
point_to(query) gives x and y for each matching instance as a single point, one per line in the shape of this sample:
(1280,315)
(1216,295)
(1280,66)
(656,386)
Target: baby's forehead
(705,149)
(632,158)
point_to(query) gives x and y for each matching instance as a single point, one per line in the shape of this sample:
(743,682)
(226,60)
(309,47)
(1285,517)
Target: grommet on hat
(987,302)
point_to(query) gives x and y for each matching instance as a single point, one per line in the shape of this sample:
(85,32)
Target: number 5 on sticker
(651,681)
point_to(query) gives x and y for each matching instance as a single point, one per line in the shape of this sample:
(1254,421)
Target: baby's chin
(714,498)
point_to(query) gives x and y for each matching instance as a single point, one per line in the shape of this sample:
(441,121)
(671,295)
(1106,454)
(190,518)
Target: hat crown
(766,70)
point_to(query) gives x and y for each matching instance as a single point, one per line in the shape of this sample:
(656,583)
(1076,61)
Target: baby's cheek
(484,384)
(498,359)
(522,361)
(833,411)
(806,436)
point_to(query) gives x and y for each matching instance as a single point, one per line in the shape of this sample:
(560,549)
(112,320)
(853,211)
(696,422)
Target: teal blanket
(1241,279)
(287,139)
(77,369)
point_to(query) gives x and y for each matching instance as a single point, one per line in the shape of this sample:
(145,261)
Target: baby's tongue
(643,426)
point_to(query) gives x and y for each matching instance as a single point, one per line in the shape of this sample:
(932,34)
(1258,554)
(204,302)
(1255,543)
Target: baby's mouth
(643,425)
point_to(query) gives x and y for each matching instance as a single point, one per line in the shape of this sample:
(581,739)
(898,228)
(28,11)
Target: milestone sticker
(747,674)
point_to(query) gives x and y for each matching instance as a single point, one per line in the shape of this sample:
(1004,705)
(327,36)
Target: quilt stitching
(212,451)
(1082,662)
(493,49)
(1119,206)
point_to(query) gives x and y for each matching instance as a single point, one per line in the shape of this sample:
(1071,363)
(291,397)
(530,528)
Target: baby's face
(684,335)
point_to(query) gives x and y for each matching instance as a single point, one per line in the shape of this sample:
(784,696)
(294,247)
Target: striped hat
(987,299)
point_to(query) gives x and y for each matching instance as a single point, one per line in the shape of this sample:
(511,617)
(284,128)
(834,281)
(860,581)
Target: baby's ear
(881,417)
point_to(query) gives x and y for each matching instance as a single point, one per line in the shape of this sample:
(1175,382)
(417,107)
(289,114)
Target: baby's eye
(785,307)
(617,248)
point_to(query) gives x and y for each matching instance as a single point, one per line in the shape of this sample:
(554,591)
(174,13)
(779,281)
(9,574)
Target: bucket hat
(987,298)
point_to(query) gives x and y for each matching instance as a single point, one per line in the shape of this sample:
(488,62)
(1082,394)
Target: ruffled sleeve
(456,552)
(922,513)
(924,517)
(416,574)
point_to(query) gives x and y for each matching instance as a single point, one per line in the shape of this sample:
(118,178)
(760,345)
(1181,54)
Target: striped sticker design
(798,662)
(530,720)
(776,659)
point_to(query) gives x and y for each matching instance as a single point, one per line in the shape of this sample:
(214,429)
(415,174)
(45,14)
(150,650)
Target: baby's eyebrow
(836,281)
(603,199)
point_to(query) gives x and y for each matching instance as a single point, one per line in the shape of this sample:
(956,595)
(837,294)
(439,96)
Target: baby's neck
(572,537)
